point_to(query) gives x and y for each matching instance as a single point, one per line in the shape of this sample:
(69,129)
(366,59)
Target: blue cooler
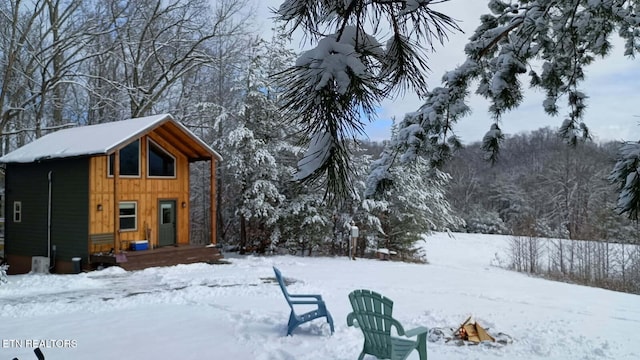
(140,245)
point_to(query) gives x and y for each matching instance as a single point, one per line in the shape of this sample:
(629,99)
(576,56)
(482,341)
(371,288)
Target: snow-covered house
(88,195)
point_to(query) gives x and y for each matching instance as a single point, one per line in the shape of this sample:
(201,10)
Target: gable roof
(105,138)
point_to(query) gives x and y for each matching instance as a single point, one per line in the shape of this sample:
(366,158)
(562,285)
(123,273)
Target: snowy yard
(237,312)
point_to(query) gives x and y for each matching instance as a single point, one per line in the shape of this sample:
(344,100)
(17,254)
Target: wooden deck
(164,256)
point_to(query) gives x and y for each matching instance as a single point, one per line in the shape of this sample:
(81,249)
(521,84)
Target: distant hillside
(540,187)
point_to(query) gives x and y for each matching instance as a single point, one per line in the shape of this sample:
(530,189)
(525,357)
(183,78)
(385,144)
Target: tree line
(540,187)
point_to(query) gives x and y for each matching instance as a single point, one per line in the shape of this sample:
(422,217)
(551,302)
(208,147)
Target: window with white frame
(159,162)
(17,211)
(128,215)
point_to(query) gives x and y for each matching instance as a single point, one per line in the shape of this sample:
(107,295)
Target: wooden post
(116,203)
(212,200)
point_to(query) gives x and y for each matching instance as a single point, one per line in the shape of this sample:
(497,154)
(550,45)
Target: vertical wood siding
(145,191)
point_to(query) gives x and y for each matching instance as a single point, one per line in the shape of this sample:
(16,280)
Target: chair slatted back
(373,312)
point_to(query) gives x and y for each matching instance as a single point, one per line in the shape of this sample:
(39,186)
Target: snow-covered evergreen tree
(416,205)
(626,176)
(256,147)
(363,211)
(412,198)
(315,222)
(307,223)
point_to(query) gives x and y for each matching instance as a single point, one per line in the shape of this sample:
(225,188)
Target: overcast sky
(612,84)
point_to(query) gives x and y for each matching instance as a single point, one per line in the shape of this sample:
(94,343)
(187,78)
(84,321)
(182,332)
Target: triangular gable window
(129,160)
(159,162)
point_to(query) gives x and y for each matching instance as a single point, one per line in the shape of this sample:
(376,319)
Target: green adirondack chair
(372,313)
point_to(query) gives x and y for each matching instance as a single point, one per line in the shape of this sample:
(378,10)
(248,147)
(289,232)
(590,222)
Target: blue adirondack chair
(372,313)
(296,319)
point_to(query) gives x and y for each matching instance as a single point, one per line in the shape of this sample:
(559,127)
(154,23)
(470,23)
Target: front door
(167,221)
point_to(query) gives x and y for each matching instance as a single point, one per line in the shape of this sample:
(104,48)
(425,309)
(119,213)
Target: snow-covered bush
(483,221)
(3,273)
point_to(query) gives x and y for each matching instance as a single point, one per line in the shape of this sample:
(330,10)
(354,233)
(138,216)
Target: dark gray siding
(29,184)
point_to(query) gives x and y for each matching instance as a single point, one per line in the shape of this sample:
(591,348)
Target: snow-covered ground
(236,311)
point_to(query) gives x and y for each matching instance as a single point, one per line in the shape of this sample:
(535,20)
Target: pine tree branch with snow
(550,41)
(338,85)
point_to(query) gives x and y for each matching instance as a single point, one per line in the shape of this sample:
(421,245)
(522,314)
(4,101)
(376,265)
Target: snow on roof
(90,140)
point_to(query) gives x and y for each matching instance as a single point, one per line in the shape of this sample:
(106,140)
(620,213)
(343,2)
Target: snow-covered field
(236,312)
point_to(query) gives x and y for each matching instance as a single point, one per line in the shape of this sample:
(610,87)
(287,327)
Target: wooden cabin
(113,193)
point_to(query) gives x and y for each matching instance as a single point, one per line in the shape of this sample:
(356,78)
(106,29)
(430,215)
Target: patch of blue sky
(378,128)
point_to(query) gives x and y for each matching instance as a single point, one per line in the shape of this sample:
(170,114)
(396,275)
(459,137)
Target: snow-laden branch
(564,36)
(352,67)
